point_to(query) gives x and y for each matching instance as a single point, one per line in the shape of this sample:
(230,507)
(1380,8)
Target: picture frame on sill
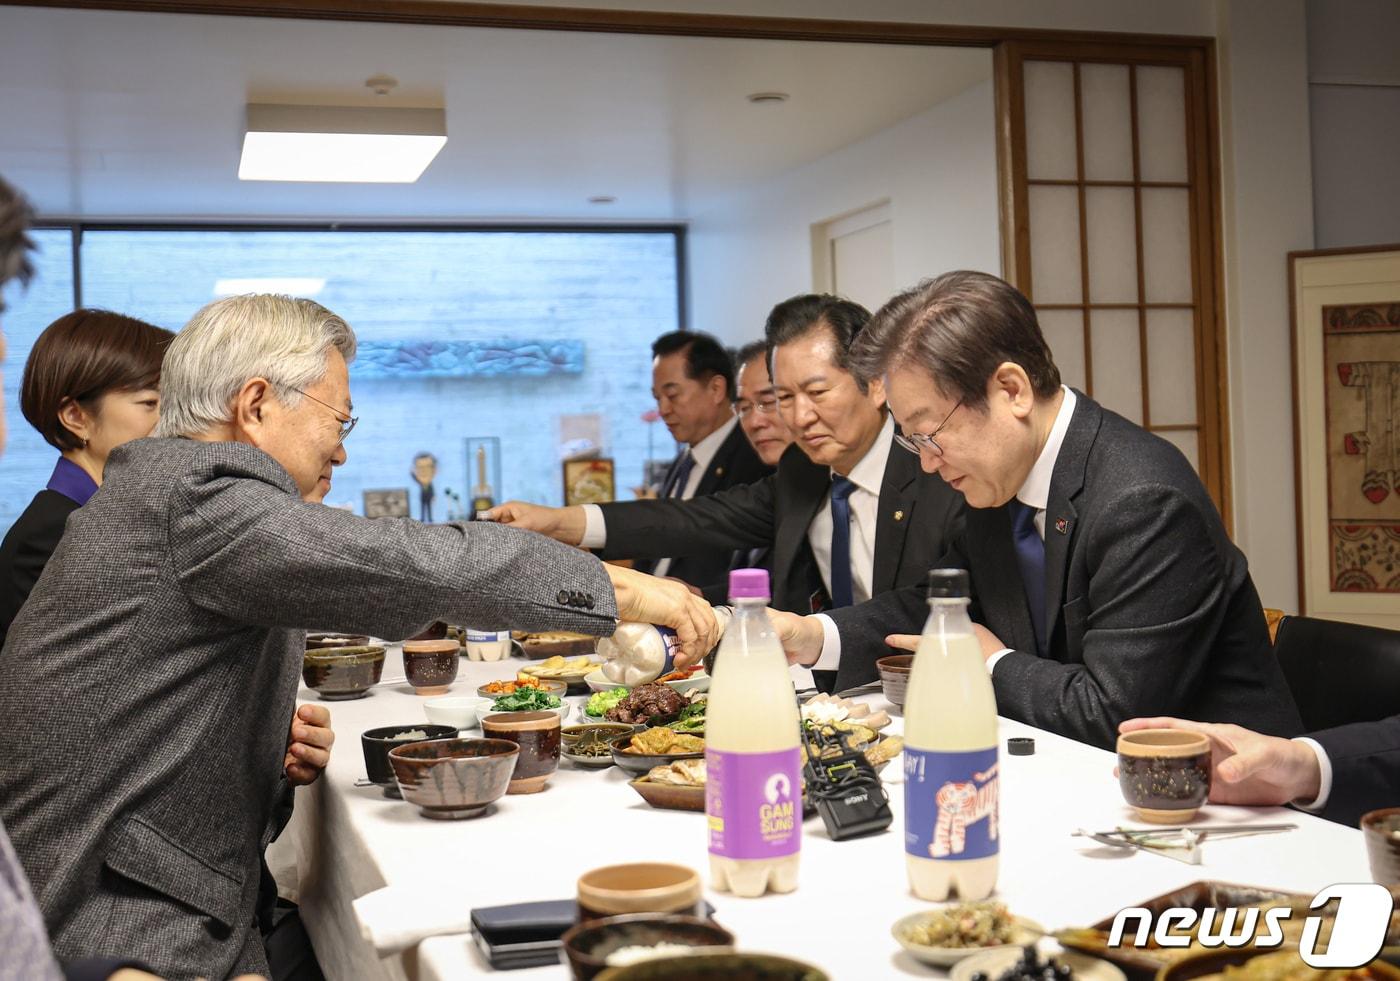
(1345,307)
(386,503)
(590,481)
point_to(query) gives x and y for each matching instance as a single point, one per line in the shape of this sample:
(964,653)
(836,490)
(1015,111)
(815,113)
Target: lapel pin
(899,516)
(719,471)
(1062,525)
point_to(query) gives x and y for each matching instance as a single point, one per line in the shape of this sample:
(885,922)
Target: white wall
(1354,88)
(936,169)
(1267,183)
(1268,213)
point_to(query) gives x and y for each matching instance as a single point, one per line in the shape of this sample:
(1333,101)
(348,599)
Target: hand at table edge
(308,744)
(1247,767)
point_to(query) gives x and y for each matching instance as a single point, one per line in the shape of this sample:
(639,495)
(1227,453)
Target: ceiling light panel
(340,143)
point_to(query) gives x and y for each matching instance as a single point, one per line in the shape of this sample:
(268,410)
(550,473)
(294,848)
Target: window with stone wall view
(527,343)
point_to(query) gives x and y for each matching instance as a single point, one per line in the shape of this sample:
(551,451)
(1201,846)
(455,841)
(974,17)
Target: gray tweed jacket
(147,686)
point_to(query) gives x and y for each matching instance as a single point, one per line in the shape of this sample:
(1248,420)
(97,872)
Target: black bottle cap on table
(948,584)
(1020,746)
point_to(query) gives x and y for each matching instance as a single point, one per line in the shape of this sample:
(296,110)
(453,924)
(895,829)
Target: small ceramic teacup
(639,887)
(459,711)
(1164,773)
(430,665)
(537,733)
(1382,832)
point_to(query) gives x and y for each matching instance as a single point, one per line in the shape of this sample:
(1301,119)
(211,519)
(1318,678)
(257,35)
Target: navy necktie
(1030,556)
(679,475)
(841,591)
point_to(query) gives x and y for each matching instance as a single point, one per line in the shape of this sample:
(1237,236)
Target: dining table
(346,840)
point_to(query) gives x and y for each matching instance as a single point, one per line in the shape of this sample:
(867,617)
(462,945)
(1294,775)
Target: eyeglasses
(766,406)
(346,425)
(916,443)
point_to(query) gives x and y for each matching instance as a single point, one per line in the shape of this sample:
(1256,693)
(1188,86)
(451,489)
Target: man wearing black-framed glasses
(848,515)
(1102,576)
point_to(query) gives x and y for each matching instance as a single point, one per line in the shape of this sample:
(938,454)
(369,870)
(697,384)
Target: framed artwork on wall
(1346,425)
(589,482)
(386,503)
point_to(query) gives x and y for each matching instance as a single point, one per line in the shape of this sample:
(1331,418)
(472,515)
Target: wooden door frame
(1004,42)
(1203,159)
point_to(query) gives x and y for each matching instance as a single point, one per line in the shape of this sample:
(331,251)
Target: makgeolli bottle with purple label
(950,753)
(753,769)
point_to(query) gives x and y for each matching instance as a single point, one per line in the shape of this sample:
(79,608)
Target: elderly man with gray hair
(150,678)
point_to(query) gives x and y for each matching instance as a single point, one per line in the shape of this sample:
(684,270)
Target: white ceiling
(112,114)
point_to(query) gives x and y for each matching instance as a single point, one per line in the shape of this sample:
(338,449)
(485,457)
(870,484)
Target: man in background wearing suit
(692,380)
(848,515)
(757,409)
(1102,576)
(1338,773)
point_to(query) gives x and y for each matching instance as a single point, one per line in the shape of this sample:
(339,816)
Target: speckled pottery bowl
(449,779)
(1164,773)
(430,665)
(537,735)
(1382,832)
(338,673)
(894,677)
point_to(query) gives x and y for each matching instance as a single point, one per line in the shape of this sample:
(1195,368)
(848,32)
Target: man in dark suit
(848,515)
(1338,773)
(692,380)
(1104,581)
(756,405)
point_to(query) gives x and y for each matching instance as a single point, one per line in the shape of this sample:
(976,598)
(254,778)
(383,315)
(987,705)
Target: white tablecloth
(345,841)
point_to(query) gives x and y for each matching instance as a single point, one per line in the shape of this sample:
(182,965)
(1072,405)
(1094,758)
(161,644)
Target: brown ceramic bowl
(588,945)
(894,676)
(716,967)
(639,887)
(537,734)
(376,744)
(321,640)
(1382,832)
(338,673)
(1164,773)
(430,665)
(453,778)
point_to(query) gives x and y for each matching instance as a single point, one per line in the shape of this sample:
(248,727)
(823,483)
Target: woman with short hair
(92,383)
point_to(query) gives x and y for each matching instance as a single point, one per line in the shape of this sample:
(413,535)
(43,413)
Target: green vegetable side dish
(525,700)
(691,719)
(600,702)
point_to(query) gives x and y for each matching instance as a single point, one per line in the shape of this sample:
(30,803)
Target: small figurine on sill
(424,470)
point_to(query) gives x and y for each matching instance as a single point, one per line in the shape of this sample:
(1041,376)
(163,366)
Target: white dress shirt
(1035,492)
(868,475)
(595,531)
(1324,785)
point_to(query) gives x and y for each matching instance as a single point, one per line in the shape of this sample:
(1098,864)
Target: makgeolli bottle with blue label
(950,753)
